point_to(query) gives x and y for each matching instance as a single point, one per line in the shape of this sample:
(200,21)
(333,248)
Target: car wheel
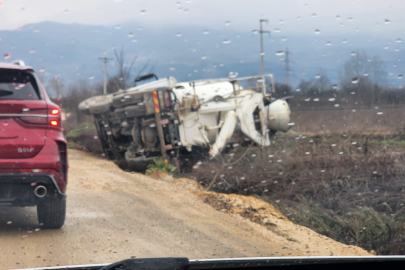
(52,213)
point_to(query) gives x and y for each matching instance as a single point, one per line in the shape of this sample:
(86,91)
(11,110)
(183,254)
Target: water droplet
(328,43)
(387,21)
(353,54)
(344,41)
(142,12)
(277,30)
(255,32)
(135,40)
(32,51)
(233,75)
(42,69)
(130,34)
(355,80)
(118,26)
(280,53)
(206,32)
(398,40)
(317,76)
(400,77)
(92,77)
(337,17)
(298,90)
(7,56)
(317,32)
(380,113)
(226,41)
(386,47)
(178,35)
(365,74)
(227,23)
(335,86)
(291,124)
(331,99)
(9,222)
(204,57)
(336,105)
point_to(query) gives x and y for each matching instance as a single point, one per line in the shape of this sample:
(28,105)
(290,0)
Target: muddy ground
(114,215)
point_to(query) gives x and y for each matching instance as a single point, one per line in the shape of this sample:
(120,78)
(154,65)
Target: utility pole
(287,68)
(105,60)
(262,50)
(261,42)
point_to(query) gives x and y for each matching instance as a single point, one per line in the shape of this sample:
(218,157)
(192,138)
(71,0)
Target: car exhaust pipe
(40,191)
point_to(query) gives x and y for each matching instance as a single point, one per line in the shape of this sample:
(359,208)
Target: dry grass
(347,187)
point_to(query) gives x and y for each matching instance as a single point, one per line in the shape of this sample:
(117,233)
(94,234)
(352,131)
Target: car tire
(51,213)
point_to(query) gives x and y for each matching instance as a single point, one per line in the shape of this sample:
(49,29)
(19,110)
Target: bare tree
(56,83)
(364,76)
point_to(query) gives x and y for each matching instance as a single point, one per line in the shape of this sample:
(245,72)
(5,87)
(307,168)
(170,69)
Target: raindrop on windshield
(344,41)
(313,15)
(203,57)
(387,21)
(355,80)
(226,41)
(178,35)
(398,40)
(135,40)
(353,54)
(280,53)
(317,32)
(277,30)
(142,12)
(227,23)
(233,74)
(365,74)
(328,43)
(335,86)
(118,26)
(206,32)
(400,76)
(255,32)
(317,76)
(131,35)
(92,77)
(32,51)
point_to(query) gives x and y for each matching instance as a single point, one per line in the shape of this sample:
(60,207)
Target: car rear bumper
(18,189)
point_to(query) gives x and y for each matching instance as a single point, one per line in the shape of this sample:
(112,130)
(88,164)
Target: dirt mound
(298,238)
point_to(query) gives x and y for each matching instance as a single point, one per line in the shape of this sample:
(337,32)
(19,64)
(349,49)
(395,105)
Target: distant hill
(72,51)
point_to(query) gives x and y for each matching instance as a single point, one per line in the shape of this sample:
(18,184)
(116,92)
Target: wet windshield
(200,129)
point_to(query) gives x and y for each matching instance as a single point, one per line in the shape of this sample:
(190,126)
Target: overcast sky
(292,17)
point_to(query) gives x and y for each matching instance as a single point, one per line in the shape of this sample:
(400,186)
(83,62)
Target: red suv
(33,153)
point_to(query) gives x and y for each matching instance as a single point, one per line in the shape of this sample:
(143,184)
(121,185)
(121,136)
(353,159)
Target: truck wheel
(51,213)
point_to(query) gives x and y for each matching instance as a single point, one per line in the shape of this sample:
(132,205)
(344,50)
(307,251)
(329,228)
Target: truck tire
(51,213)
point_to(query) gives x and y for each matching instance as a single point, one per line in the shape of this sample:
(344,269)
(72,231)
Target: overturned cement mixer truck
(167,119)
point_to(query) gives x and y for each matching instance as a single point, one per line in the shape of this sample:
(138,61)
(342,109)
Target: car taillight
(54,123)
(54,112)
(54,117)
(166,95)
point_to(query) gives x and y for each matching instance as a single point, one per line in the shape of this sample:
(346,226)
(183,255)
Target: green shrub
(159,166)
(79,130)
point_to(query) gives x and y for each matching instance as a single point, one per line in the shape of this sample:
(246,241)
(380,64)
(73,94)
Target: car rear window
(18,85)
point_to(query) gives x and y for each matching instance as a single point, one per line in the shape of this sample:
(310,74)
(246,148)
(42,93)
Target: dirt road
(113,215)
